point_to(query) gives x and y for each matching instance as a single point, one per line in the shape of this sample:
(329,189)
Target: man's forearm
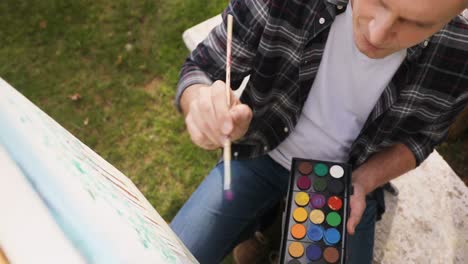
(384,166)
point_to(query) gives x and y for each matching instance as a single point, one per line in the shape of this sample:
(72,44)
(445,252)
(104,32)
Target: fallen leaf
(86,121)
(75,97)
(119,60)
(42,24)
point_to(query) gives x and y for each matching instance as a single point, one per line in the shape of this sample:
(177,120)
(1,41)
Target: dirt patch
(152,87)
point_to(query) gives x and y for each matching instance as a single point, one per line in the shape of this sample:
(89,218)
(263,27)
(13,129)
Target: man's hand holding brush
(210,121)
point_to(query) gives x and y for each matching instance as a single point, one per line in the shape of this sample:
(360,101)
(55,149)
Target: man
(375,83)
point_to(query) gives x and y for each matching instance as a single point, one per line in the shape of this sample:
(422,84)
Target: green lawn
(123,57)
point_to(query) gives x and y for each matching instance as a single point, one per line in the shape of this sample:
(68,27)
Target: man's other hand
(358,205)
(210,121)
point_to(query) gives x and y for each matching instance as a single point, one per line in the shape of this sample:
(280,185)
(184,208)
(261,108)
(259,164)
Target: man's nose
(380,28)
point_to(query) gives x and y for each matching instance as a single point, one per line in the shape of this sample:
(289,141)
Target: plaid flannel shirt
(280,43)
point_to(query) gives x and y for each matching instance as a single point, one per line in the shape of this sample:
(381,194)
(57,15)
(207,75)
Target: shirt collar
(414,52)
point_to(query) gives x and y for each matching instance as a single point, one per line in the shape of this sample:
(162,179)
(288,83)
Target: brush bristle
(228,195)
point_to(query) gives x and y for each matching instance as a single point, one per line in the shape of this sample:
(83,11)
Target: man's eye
(413,23)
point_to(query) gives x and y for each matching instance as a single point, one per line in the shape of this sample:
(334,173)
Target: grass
(122,57)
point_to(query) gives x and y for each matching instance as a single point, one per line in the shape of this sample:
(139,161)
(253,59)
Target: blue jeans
(211,226)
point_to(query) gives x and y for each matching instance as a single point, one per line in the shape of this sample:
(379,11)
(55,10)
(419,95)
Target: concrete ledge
(198,33)
(427,222)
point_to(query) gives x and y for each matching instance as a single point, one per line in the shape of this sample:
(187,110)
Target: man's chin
(374,53)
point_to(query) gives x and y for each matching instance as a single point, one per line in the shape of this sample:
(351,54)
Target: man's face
(382,27)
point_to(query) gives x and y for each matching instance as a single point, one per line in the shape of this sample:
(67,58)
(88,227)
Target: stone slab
(428,221)
(198,33)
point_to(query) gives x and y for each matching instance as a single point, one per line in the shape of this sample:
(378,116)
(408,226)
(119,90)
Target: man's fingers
(209,120)
(203,125)
(358,205)
(197,136)
(220,85)
(223,119)
(241,116)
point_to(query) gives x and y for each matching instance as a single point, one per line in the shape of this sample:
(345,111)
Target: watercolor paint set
(317,209)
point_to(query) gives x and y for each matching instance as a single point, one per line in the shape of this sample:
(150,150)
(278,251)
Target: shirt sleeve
(208,61)
(423,141)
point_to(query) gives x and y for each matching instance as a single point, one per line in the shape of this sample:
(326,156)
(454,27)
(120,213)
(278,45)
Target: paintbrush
(227,144)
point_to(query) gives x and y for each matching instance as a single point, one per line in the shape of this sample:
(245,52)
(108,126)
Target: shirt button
(286,129)
(339,7)
(321,20)
(265,148)
(426,43)
(236,154)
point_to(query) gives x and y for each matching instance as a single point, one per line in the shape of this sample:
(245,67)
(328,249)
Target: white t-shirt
(347,87)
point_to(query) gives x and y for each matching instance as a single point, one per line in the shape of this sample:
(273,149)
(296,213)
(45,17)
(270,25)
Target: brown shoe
(251,251)
(273,257)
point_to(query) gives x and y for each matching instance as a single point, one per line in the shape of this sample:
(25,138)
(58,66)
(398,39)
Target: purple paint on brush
(228,195)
